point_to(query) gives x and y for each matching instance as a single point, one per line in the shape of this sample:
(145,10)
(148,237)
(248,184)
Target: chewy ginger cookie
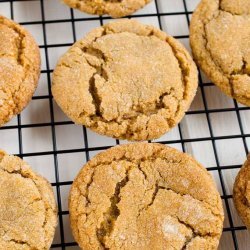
(28,213)
(126,80)
(114,8)
(241,193)
(145,196)
(220,41)
(19,68)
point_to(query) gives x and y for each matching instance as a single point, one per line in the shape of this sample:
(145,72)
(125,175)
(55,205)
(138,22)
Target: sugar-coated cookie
(19,68)
(28,213)
(126,80)
(241,193)
(117,8)
(145,196)
(220,41)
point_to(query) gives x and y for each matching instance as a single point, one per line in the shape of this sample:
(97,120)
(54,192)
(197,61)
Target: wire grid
(214,130)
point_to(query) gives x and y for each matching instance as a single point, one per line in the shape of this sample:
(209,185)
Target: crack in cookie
(219,36)
(126,80)
(114,8)
(31,203)
(144,196)
(112,213)
(19,68)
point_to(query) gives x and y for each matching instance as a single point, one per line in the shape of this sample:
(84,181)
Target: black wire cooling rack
(235,235)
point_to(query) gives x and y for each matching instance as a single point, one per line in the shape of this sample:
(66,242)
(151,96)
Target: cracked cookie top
(114,8)
(220,40)
(28,213)
(241,193)
(19,68)
(145,196)
(126,80)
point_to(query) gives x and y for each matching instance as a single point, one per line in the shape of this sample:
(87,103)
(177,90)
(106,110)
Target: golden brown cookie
(220,40)
(126,80)
(241,193)
(19,68)
(28,213)
(145,196)
(114,8)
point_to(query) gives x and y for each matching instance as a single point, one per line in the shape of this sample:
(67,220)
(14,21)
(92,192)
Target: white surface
(68,137)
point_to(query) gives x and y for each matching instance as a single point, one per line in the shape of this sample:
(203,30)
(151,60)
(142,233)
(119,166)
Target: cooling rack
(215,130)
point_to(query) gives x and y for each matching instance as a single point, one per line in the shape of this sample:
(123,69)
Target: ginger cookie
(28,213)
(126,80)
(220,40)
(145,196)
(19,68)
(114,8)
(241,193)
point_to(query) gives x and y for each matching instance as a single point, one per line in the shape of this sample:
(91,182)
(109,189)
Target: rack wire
(214,130)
